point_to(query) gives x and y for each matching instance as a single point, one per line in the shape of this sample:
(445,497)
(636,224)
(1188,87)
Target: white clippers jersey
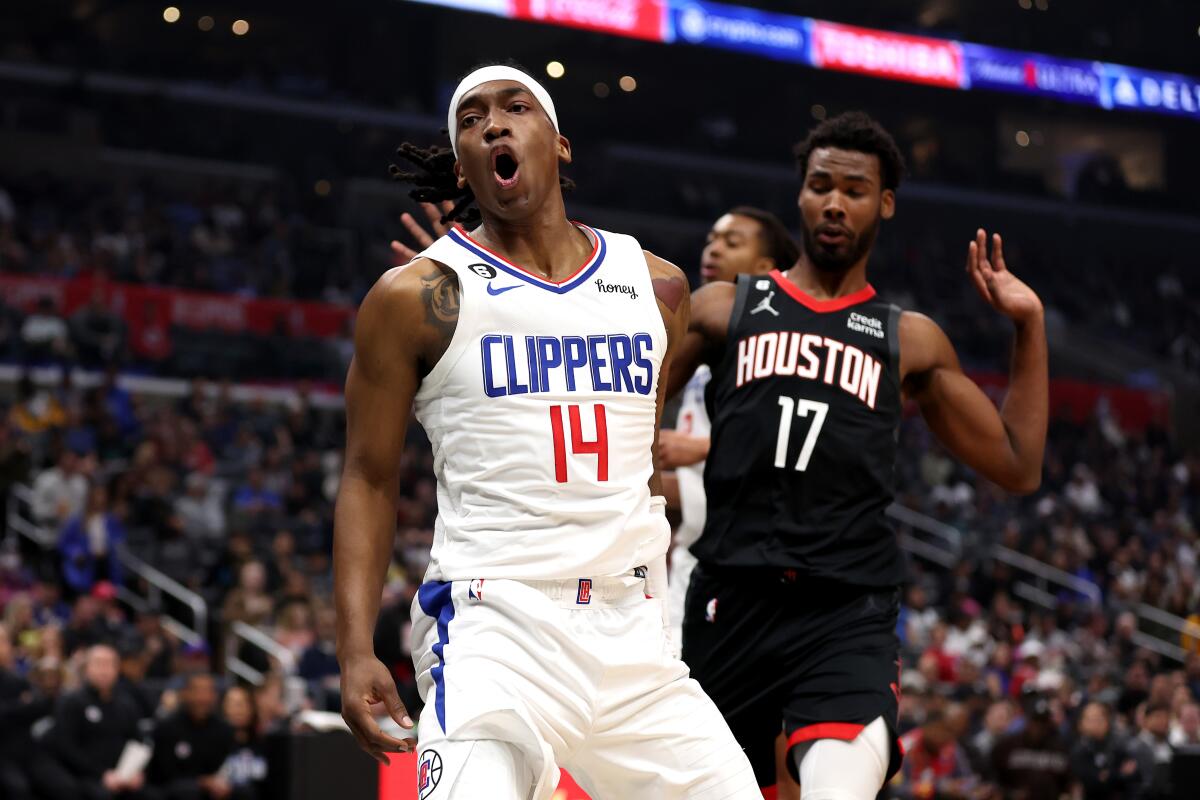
(541,414)
(692,420)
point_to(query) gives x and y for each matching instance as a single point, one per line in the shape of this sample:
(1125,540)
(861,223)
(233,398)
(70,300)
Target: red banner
(640,19)
(151,311)
(1078,401)
(915,59)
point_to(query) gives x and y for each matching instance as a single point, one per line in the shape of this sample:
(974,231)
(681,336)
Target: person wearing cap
(1033,763)
(531,349)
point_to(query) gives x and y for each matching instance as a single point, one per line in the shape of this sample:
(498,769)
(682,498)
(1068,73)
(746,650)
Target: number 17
(787,406)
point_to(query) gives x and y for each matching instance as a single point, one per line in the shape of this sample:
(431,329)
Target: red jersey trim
(846,731)
(595,249)
(822,306)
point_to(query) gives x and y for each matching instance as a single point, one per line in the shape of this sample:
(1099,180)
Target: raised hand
(1002,290)
(422,237)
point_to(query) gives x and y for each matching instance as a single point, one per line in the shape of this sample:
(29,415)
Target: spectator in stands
(60,492)
(89,625)
(200,510)
(1033,763)
(935,765)
(997,723)
(132,680)
(44,335)
(253,499)
(246,767)
(191,746)
(92,726)
(1186,730)
(15,697)
(1101,760)
(1153,752)
(98,335)
(89,542)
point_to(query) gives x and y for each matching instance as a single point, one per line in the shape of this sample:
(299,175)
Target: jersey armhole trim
(893,338)
(719,366)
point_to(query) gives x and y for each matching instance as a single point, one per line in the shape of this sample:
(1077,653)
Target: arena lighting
(600,90)
(171,14)
(818,111)
(555,69)
(240,27)
(322,188)
(627,83)
(205,23)
(1042,5)
(1022,139)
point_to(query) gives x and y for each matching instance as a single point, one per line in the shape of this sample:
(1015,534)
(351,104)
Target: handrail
(20,493)
(265,642)
(176,629)
(927,551)
(909,516)
(1184,627)
(1047,572)
(160,582)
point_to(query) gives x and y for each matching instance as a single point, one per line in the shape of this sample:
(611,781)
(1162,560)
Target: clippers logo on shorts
(429,773)
(585,592)
(710,611)
(475,589)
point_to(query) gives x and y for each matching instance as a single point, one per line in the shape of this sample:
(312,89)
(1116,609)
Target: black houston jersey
(805,405)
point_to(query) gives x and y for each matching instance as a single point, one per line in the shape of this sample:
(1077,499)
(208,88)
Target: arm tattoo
(669,291)
(440,293)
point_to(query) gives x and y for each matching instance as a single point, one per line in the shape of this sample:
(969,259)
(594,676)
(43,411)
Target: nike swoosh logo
(492,290)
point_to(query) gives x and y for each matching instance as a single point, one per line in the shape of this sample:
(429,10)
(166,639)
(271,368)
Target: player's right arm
(403,326)
(704,342)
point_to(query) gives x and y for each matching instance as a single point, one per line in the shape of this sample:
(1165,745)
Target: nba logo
(475,589)
(585,591)
(710,610)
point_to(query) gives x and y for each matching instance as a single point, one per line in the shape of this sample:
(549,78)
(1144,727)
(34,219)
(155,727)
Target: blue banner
(778,36)
(1031,73)
(1143,90)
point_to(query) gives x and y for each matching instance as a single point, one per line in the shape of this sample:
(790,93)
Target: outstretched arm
(1007,445)
(400,325)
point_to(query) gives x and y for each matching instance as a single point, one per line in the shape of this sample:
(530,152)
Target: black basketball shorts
(775,651)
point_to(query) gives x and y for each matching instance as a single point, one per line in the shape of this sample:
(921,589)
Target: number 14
(786,406)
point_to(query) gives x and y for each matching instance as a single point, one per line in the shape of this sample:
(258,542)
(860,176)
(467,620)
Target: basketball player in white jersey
(530,349)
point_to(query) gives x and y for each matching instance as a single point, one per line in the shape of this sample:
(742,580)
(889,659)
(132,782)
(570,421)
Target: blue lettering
(622,355)
(514,385)
(598,361)
(531,356)
(576,356)
(549,356)
(489,387)
(642,383)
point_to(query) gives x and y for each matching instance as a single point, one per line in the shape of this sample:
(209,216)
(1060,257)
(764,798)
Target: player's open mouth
(832,237)
(505,169)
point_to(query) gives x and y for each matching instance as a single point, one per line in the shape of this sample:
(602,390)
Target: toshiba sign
(641,19)
(915,59)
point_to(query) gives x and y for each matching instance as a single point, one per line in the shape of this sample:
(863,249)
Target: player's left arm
(674,303)
(1004,445)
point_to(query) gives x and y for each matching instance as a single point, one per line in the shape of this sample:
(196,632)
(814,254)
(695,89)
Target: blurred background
(194,198)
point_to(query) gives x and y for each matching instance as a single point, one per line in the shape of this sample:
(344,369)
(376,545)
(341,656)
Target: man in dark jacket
(191,745)
(1103,763)
(92,725)
(1032,764)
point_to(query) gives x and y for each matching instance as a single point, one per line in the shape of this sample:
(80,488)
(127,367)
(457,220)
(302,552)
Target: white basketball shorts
(574,674)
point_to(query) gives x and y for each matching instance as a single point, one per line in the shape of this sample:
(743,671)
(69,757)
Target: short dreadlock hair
(856,131)
(436,181)
(777,244)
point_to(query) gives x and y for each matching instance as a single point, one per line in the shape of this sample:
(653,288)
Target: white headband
(496,73)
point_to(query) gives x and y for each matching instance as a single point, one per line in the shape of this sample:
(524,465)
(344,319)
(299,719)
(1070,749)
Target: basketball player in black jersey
(791,615)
